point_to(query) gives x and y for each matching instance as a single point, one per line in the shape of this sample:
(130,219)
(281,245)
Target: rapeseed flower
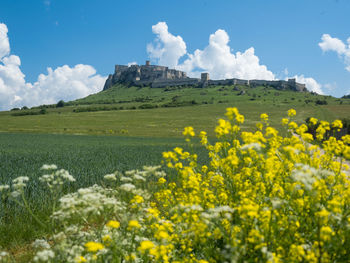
(113,224)
(93,246)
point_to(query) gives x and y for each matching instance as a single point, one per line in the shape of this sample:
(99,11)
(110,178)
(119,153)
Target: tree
(60,104)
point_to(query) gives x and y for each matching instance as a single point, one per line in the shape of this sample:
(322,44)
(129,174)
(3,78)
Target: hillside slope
(164,112)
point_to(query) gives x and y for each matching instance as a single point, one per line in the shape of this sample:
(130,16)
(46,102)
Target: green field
(87,158)
(119,110)
(125,128)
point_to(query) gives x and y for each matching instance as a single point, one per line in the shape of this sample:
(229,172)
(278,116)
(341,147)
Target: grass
(155,122)
(118,111)
(129,137)
(87,158)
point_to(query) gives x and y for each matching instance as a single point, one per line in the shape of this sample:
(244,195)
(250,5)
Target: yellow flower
(259,125)
(264,117)
(285,121)
(292,125)
(231,112)
(337,124)
(240,118)
(137,199)
(313,121)
(107,239)
(161,180)
(188,131)
(292,112)
(162,235)
(133,224)
(145,245)
(113,224)
(325,233)
(80,259)
(93,246)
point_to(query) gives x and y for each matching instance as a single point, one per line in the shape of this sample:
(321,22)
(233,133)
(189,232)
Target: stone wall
(160,76)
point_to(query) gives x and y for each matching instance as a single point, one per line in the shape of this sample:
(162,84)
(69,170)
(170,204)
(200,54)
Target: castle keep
(160,76)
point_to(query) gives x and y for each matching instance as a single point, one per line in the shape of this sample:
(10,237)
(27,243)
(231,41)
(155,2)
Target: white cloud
(334,44)
(4,41)
(311,84)
(330,86)
(132,63)
(63,83)
(216,58)
(168,48)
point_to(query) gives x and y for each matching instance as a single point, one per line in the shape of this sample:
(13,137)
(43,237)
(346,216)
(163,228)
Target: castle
(159,76)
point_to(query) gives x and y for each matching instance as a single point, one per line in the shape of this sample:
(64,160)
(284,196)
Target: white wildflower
(85,203)
(41,244)
(276,203)
(15,194)
(3,255)
(131,172)
(138,177)
(57,178)
(127,187)
(307,175)
(151,169)
(125,179)
(255,146)
(160,174)
(4,187)
(110,177)
(20,180)
(44,255)
(48,167)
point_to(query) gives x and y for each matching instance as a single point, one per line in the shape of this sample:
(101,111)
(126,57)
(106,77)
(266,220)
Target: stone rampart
(160,76)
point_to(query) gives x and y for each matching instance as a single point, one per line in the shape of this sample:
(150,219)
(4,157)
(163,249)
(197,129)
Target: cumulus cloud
(63,83)
(167,48)
(216,58)
(311,84)
(132,63)
(4,41)
(334,44)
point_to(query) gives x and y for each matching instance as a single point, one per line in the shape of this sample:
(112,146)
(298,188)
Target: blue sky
(95,35)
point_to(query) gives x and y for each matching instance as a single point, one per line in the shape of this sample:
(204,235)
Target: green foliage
(60,104)
(29,112)
(321,102)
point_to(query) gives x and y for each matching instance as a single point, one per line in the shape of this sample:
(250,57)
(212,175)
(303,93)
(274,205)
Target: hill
(163,112)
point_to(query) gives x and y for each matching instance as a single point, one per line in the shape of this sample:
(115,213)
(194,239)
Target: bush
(60,104)
(321,102)
(32,112)
(259,197)
(148,106)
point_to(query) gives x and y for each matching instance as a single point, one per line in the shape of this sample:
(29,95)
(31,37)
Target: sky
(53,50)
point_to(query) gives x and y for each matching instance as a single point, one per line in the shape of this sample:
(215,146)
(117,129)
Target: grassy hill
(163,112)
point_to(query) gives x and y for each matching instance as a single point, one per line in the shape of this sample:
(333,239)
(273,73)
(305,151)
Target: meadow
(260,197)
(124,134)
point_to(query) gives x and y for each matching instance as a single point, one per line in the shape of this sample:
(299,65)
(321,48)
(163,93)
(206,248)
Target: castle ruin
(160,76)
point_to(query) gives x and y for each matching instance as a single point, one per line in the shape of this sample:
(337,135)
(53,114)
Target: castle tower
(204,77)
